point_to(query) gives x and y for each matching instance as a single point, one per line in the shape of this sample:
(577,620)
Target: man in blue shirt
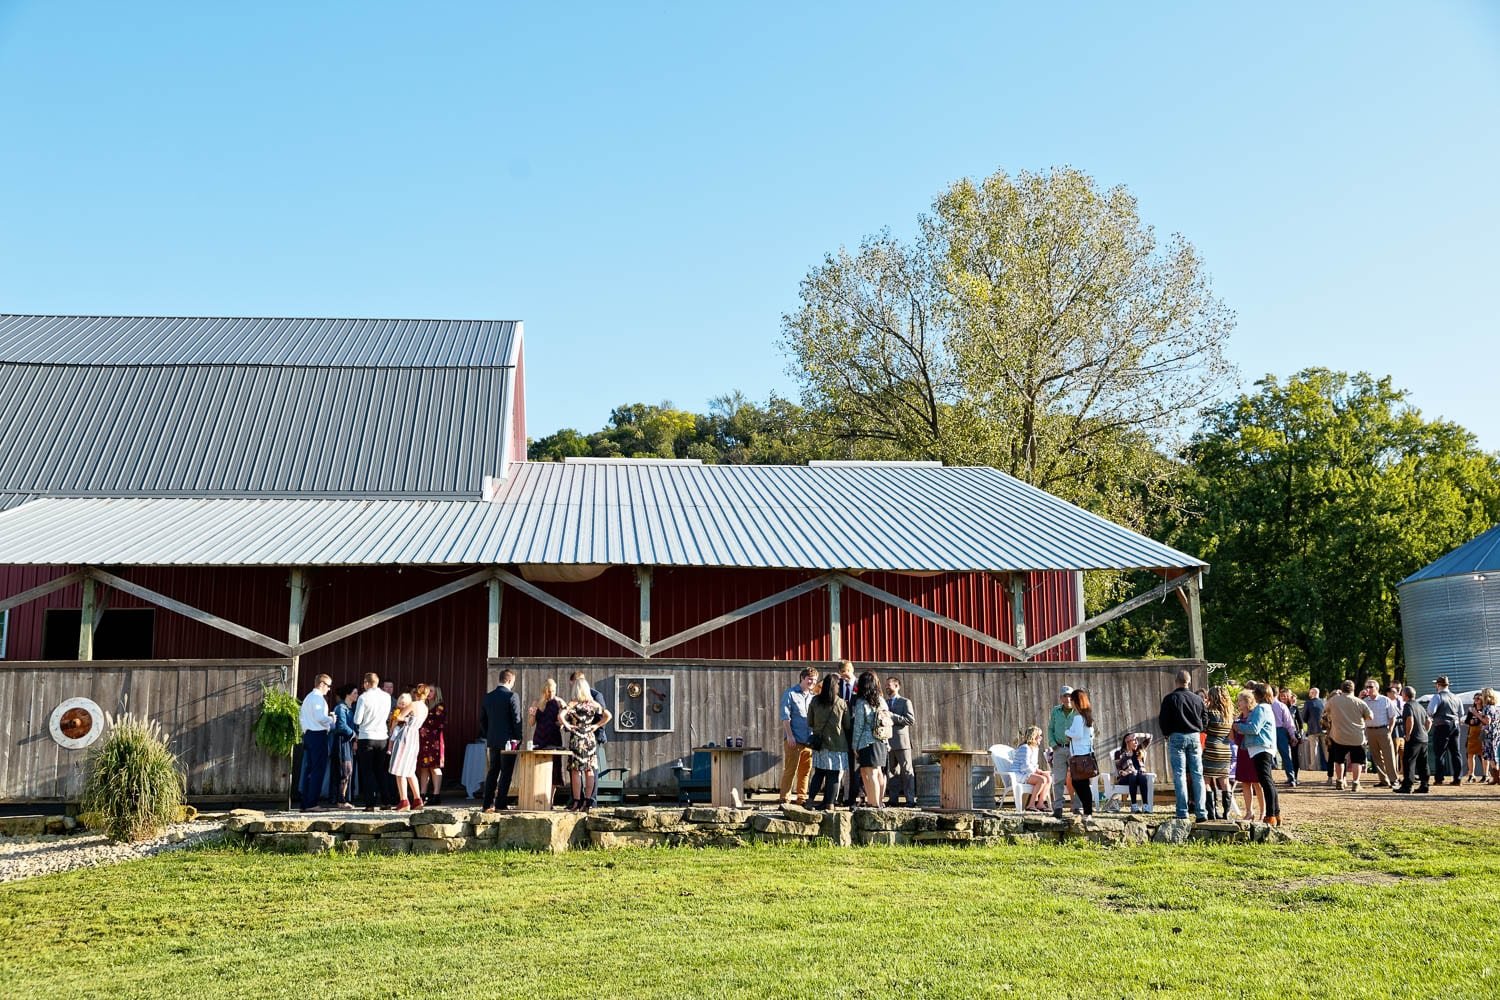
(796,733)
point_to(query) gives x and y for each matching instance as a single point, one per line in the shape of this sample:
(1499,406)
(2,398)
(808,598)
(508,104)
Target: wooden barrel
(929,780)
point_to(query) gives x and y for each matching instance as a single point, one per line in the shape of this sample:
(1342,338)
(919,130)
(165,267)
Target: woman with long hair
(1244,767)
(1026,768)
(546,733)
(1474,744)
(1490,708)
(581,720)
(829,720)
(403,765)
(872,731)
(432,753)
(1217,752)
(1081,744)
(1259,730)
(344,740)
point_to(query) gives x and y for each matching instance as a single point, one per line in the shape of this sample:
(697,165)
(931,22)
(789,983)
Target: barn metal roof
(874,518)
(1481,555)
(209,340)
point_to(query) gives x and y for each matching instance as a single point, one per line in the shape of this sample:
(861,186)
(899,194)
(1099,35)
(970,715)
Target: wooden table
(534,771)
(727,776)
(956,777)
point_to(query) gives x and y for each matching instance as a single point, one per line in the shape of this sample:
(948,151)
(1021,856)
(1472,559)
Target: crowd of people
(847,740)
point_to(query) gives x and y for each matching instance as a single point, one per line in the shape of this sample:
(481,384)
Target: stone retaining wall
(443,831)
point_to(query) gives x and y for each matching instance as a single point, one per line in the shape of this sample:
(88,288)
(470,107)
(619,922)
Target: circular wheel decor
(627,719)
(76,723)
(633,689)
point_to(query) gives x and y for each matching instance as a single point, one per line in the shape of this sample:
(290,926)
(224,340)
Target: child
(1130,768)
(1026,770)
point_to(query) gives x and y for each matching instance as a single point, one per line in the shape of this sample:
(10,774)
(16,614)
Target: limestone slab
(636,838)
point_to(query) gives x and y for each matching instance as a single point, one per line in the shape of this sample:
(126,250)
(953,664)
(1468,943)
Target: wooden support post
(86,620)
(835,620)
(1018,610)
(492,640)
(1195,617)
(643,581)
(1082,609)
(295,615)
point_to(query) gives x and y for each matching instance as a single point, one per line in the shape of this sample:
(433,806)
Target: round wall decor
(76,723)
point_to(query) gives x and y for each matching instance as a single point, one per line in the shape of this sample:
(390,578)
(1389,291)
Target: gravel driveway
(24,857)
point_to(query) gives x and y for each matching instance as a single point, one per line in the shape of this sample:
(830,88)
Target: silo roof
(1482,555)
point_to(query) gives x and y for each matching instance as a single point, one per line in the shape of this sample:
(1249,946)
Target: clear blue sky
(645,184)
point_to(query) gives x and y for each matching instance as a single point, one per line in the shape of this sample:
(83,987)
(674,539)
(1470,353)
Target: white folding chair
(1004,756)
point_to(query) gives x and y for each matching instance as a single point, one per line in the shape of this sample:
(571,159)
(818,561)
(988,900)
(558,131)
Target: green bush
(133,789)
(277,731)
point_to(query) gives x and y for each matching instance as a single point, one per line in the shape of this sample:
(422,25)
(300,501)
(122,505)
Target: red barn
(196,507)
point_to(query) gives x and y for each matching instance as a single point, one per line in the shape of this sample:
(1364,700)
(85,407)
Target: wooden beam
(394,611)
(42,590)
(295,616)
(492,629)
(188,611)
(835,621)
(567,610)
(86,622)
(1195,617)
(729,618)
(1110,615)
(932,616)
(1081,609)
(1018,609)
(643,581)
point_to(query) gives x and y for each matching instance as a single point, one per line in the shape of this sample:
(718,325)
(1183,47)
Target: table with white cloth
(476,763)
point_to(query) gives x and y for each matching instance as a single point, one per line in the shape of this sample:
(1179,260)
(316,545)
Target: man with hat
(1057,739)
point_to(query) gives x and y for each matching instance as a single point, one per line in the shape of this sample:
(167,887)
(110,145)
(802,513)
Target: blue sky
(645,184)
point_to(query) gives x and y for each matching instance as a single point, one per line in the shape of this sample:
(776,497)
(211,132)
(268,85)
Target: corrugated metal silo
(1450,617)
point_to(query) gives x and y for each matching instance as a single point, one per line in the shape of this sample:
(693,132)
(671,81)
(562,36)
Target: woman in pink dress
(408,744)
(1244,765)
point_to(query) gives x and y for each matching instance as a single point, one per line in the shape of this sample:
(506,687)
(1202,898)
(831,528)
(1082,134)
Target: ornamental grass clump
(133,789)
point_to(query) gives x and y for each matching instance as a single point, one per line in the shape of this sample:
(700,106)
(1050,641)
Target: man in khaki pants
(1057,726)
(795,731)
(1383,715)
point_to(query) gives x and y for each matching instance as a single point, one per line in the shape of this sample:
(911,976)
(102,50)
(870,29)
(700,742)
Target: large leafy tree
(1036,325)
(1319,495)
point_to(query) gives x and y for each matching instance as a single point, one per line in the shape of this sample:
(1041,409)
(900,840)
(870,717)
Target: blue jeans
(314,765)
(1185,758)
(1288,755)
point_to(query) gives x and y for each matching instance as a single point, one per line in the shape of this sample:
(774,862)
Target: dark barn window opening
(122,634)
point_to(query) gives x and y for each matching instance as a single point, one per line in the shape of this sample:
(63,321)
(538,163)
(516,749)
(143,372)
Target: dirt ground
(1315,804)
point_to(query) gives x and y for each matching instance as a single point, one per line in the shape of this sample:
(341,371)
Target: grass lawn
(1322,920)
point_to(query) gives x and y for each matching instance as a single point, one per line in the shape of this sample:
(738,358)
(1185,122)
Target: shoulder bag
(1083,766)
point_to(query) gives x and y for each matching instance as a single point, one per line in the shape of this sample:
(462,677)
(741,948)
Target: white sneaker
(1354,787)
(1148,808)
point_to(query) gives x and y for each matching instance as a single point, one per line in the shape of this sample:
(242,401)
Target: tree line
(1035,324)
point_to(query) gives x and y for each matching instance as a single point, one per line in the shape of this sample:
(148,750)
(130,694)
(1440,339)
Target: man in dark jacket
(1183,715)
(500,721)
(1414,728)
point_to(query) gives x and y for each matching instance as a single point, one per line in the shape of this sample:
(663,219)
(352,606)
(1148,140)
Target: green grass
(1323,920)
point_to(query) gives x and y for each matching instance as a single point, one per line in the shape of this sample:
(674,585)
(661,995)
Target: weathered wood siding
(207,707)
(974,704)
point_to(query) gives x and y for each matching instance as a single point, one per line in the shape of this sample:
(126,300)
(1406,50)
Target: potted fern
(277,728)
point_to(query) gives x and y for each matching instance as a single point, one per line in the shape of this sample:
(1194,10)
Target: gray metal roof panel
(1479,555)
(918,519)
(242,340)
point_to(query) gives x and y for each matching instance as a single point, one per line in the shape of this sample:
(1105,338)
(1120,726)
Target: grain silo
(1450,617)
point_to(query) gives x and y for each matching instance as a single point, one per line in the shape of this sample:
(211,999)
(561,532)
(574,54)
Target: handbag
(1083,766)
(815,741)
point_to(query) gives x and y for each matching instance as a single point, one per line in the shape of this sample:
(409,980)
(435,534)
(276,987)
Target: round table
(956,777)
(726,774)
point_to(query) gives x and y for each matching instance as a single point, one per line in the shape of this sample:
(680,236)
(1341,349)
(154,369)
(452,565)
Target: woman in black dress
(546,731)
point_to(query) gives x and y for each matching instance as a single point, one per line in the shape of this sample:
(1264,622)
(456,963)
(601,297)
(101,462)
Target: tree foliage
(1321,493)
(1036,325)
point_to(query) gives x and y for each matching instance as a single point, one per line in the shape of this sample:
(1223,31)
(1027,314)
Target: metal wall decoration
(76,723)
(645,704)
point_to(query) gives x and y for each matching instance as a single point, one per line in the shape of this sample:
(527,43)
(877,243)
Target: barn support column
(643,582)
(1194,616)
(1081,606)
(835,620)
(296,614)
(1018,610)
(86,620)
(492,640)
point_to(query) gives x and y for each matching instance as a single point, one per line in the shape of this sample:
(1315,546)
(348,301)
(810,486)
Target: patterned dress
(580,721)
(1491,734)
(1216,751)
(433,752)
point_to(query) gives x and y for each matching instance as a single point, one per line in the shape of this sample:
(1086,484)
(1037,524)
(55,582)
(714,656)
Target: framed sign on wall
(645,704)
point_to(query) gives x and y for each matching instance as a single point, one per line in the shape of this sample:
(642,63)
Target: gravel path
(25,857)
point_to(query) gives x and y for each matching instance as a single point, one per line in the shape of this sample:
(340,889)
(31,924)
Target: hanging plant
(276,731)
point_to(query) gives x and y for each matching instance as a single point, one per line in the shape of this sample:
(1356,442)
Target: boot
(1209,808)
(1228,800)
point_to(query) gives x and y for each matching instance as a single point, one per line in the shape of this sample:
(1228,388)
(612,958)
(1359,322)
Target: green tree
(1036,325)
(1321,494)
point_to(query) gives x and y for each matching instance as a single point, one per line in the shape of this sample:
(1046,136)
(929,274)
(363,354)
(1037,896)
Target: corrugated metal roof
(623,513)
(298,342)
(1481,555)
(269,430)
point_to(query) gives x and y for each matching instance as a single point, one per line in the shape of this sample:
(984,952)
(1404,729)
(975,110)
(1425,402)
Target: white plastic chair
(1113,791)
(1004,757)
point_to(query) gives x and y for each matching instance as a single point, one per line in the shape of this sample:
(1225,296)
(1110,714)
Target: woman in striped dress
(1217,753)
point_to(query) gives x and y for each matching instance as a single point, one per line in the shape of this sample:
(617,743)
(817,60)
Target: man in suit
(500,721)
(851,772)
(898,764)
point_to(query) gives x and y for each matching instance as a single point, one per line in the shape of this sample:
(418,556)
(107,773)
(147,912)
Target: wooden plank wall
(974,704)
(207,707)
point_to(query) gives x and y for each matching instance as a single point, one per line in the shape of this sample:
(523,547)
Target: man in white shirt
(316,721)
(1383,715)
(372,711)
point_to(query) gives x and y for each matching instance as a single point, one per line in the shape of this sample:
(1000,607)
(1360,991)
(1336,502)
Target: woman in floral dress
(581,721)
(1490,702)
(432,754)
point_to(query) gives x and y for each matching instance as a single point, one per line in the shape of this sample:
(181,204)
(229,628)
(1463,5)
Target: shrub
(133,789)
(277,731)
